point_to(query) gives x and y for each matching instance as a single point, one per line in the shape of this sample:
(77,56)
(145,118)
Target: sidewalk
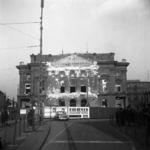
(7,133)
(32,140)
(27,140)
(136,133)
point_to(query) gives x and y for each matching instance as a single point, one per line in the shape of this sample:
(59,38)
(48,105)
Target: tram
(72,112)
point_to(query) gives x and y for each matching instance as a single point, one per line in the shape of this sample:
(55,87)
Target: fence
(101,113)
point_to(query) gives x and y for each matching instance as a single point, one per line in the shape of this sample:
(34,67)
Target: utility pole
(41,52)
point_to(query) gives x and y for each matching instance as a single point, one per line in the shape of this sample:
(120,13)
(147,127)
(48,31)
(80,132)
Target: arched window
(72,102)
(83,102)
(61,102)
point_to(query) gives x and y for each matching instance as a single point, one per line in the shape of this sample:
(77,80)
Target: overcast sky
(119,26)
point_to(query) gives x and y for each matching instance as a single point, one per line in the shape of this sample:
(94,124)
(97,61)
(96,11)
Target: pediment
(72,60)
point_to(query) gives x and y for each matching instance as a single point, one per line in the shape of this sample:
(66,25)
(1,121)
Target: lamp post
(99,88)
(88,88)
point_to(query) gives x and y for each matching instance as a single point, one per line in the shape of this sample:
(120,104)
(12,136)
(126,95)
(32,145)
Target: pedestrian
(29,118)
(147,113)
(3,118)
(1,144)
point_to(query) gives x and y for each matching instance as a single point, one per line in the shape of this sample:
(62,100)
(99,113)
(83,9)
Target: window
(118,88)
(117,74)
(83,102)
(42,86)
(62,89)
(104,102)
(28,76)
(72,89)
(73,102)
(27,88)
(83,88)
(61,102)
(83,73)
(104,85)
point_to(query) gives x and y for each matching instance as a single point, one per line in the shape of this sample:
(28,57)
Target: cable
(13,23)
(32,46)
(20,32)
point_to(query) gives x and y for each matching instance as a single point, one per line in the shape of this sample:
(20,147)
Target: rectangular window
(27,88)
(72,89)
(42,86)
(83,88)
(62,89)
(118,88)
(104,85)
(28,76)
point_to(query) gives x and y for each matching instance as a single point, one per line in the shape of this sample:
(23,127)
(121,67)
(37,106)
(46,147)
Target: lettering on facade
(72,60)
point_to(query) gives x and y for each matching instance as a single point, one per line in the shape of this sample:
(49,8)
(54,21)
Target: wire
(13,23)
(29,35)
(32,46)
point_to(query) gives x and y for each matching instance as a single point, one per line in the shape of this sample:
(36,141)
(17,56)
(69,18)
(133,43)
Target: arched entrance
(73,103)
(83,102)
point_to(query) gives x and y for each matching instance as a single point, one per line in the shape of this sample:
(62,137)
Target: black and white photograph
(74,74)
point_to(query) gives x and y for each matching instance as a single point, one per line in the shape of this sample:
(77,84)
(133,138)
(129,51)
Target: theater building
(93,80)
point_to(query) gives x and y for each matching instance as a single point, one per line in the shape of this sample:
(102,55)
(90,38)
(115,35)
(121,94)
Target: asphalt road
(85,135)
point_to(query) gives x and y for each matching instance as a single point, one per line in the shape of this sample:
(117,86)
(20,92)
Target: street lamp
(99,87)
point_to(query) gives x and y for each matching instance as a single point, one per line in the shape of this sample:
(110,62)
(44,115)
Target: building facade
(94,80)
(2,101)
(138,93)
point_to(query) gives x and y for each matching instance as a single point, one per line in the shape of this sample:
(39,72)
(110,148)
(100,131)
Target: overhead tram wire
(21,47)
(7,25)
(17,23)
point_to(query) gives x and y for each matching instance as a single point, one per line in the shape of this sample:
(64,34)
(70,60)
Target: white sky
(120,26)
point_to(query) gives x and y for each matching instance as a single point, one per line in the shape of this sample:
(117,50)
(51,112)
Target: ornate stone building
(95,80)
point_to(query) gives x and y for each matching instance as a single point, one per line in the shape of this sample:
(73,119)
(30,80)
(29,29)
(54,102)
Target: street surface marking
(99,142)
(128,138)
(96,142)
(59,133)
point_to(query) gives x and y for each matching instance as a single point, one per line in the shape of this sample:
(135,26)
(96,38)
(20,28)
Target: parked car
(61,115)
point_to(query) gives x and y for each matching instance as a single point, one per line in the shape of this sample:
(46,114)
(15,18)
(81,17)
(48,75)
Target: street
(85,134)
